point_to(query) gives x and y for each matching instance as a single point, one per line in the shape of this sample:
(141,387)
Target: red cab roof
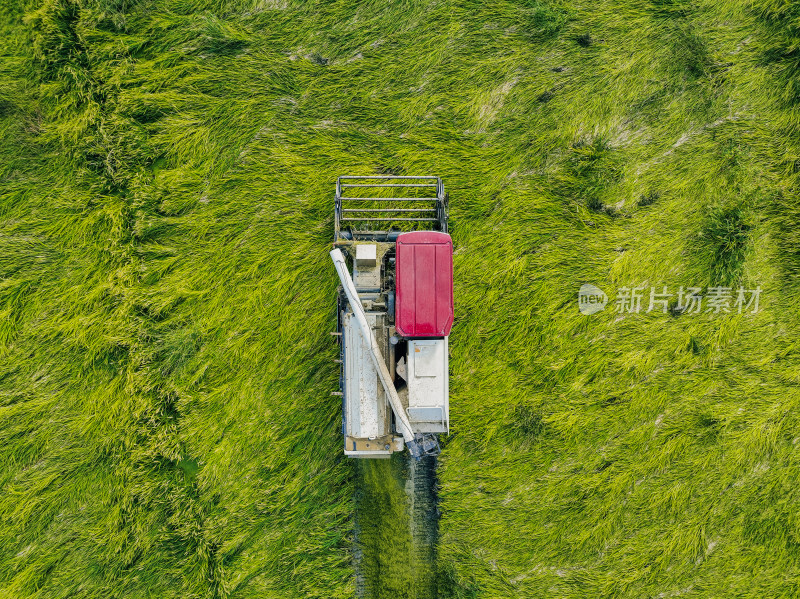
(424,284)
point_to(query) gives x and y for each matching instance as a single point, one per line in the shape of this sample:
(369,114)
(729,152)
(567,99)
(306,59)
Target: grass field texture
(166,209)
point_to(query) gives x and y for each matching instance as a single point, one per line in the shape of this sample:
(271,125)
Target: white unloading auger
(377,356)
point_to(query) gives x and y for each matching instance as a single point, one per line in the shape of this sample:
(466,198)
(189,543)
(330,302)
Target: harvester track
(396,528)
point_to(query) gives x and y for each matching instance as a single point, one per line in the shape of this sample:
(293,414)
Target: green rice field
(167,171)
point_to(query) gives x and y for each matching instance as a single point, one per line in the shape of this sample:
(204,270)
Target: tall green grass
(166,183)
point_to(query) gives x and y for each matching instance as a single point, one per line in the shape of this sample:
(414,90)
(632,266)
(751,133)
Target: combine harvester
(394,313)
